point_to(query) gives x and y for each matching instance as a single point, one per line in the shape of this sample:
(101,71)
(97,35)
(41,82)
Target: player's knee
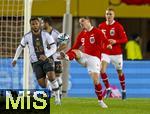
(51,75)
(103,71)
(77,52)
(58,68)
(96,82)
(95,77)
(57,74)
(42,83)
(120,72)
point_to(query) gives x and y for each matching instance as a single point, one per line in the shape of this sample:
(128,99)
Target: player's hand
(59,58)
(42,57)
(109,46)
(63,56)
(112,41)
(14,63)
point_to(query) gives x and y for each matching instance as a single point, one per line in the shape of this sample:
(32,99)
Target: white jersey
(47,39)
(55,34)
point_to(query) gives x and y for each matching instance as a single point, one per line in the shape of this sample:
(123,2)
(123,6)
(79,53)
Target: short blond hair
(110,9)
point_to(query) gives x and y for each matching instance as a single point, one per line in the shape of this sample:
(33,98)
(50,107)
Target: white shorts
(117,60)
(92,63)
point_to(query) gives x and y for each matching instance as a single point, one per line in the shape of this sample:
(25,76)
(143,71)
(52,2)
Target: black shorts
(40,68)
(58,67)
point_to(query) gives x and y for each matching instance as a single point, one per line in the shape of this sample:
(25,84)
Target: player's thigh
(48,65)
(93,64)
(48,68)
(117,61)
(82,59)
(78,53)
(105,61)
(38,70)
(58,64)
(105,57)
(58,67)
(95,77)
(42,82)
(104,65)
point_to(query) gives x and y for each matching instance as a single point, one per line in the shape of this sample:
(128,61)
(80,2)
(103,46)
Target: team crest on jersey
(92,39)
(112,32)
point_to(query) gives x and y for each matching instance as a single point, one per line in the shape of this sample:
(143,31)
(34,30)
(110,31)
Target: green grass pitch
(90,106)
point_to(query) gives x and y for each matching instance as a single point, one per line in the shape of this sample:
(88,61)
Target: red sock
(98,91)
(105,80)
(122,81)
(71,55)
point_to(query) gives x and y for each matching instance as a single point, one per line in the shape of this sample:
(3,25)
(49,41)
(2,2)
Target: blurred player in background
(116,35)
(133,48)
(90,39)
(60,46)
(40,55)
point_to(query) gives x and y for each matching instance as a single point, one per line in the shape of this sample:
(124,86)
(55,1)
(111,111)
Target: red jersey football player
(116,35)
(91,40)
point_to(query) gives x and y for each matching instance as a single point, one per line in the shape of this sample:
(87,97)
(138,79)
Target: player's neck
(90,28)
(49,29)
(110,22)
(36,33)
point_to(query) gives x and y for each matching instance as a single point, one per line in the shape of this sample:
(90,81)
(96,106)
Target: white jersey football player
(41,59)
(60,46)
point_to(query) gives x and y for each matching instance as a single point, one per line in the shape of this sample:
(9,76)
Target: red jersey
(91,42)
(114,31)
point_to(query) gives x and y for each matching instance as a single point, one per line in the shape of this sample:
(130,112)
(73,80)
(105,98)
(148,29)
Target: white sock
(123,90)
(59,80)
(48,85)
(55,88)
(108,88)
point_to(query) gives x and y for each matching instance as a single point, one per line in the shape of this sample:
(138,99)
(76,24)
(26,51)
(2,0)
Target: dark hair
(134,36)
(47,20)
(85,17)
(34,18)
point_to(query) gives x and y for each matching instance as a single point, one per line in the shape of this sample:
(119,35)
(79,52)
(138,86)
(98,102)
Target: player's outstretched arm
(17,54)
